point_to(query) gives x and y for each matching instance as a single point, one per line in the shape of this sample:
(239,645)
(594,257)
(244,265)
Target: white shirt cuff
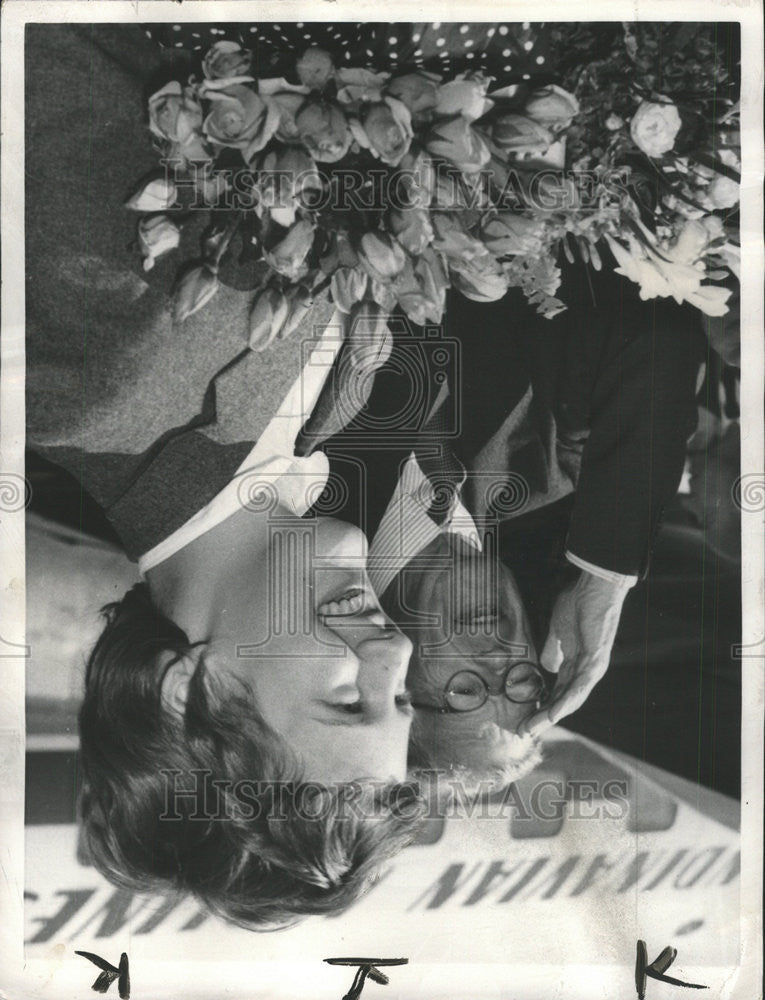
(618,579)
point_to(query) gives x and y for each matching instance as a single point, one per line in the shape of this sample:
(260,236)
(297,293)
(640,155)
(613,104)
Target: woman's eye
(404,699)
(350,707)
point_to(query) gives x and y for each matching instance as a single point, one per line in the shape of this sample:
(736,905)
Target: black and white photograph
(382,501)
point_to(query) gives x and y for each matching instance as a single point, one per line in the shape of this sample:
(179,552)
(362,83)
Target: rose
(480,279)
(226,59)
(323,129)
(315,68)
(465,97)
(157,235)
(552,107)
(517,135)
(454,140)
(654,127)
(174,113)
(240,119)
(451,238)
(380,256)
(507,233)
(723,193)
(154,196)
(418,91)
(194,290)
(412,228)
(287,176)
(388,127)
(287,257)
(694,237)
(348,286)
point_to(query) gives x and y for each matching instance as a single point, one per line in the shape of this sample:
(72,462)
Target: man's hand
(578,647)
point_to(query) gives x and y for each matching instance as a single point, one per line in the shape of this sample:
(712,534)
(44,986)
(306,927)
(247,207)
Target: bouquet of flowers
(373,187)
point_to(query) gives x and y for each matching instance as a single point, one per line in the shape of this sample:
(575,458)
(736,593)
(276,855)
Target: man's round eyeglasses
(467,691)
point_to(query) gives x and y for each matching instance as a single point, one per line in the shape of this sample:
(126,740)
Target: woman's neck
(190,586)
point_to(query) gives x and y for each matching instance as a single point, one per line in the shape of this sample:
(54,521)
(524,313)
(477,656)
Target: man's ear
(175,685)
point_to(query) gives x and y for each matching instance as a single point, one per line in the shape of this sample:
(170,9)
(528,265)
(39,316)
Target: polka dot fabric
(510,52)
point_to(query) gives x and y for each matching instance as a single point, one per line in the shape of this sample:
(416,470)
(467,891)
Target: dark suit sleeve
(641,412)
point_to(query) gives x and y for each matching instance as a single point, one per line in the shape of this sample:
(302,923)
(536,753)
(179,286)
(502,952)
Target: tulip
(454,140)
(451,238)
(383,295)
(481,280)
(194,290)
(517,135)
(356,85)
(300,304)
(417,180)
(418,91)
(369,338)
(464,97)
(289,102)
(412,228)
(421,290)
(507,233)
(157,235)
(155,196)
(348,286)
(552,107)
(451,192)
(288,256)
(286,176)
(381,256)
(181,155)
(269,314)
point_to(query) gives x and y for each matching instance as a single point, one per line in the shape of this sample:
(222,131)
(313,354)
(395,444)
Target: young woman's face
(302,626)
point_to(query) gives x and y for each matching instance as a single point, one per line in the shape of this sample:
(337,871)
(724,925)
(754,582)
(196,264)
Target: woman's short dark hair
(213,804)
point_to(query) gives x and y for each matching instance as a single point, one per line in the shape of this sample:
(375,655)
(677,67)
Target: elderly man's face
(482,627)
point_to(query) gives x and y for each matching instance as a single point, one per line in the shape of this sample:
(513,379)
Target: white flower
(654,127)
(659,278)
(466,97)
(157,235)
(723,192)
(155,196)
